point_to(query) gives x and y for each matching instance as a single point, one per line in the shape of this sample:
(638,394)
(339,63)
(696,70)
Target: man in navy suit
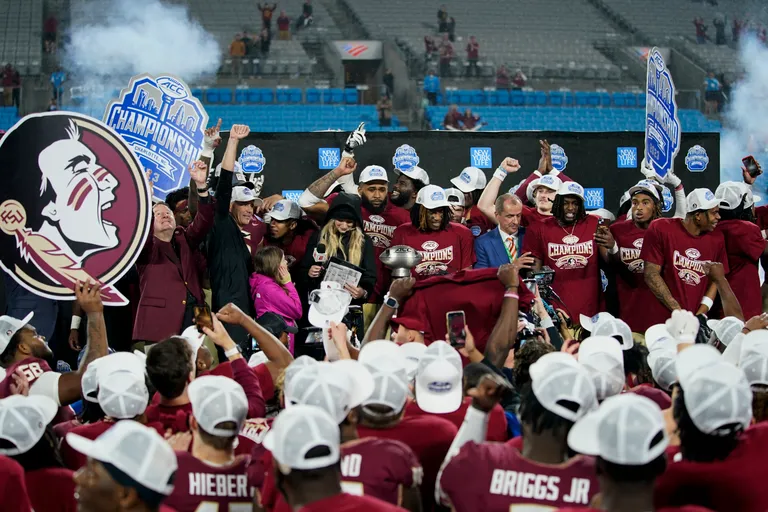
(503,243)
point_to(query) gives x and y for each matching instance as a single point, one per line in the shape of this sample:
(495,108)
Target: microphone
(319,254)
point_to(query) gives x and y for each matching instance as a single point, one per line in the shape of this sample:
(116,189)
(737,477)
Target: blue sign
(559,158)
(662,127)
(165,126)
(669,200)
(594,198)
(252,160)
(405,158)
(626,158)
(328,158)
(696,160)
(482,158)
(292,195)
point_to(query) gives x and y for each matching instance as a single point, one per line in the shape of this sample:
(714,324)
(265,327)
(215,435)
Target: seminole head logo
(74,205)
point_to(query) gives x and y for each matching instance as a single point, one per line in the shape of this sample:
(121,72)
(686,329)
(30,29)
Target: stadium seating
(8,117)
(578,119)
(542,98)
(21,34)
(296,118)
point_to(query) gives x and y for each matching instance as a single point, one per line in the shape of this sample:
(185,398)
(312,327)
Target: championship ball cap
(10,326)
(694,358)
(627,429)
(439,387)
(217,399)
(23,420)
(299,431)
(701,199)
(616,328)
(717,397)
(547,181)
(754,361)
(243,194)
(431,197)
(563,386)
(390,383)
(285,209)
(644,187)
(732,193)
(454,196)
(415,173)
(589,323)
(726,329)
(603,359)
(373,173)
(122,394)
(571,188)
(470,179)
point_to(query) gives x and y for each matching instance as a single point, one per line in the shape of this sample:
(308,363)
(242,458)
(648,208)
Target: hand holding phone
(456,322)
(751,165)
(203,318)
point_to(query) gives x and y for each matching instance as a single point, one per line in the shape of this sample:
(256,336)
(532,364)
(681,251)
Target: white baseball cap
(454,196)
(415,173)
(413,352)
(732,353)
(754,360)
(603,359)
(122,394)
(373,173)
(432,197)
(615,327)
(285,209)
(390,383)
(602,213)
(717,396)
(329,303)
(125,361)
(241,194)
(560,383)
(194,339)
(376,349)
(626,429)
(470,179)
(661,360)
(726,329)
(571,188)
(299,430)
(10,326)
(694,358)
(588,323)
(644,187)
(129,446)
(546,181)
(293,369)
(23,420)
(216,399)
(439,379)
(624,198)
(732,193)
(658,334)
(701,199)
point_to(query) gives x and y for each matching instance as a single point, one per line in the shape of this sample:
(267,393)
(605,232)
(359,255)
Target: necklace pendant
(571,239)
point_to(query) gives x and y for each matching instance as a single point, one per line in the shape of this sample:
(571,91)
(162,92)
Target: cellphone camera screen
(456,332)
(203,318)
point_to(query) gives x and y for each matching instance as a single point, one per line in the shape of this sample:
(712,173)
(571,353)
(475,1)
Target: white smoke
(110,41)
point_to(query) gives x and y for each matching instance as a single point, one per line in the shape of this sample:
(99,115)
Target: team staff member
(406,188)
(624,242)
(289,231)
(566,243)
(503,243)
(675,251)
(445,247)
(471,182)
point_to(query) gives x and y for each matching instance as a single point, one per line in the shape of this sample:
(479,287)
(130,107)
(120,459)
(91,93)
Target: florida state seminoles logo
(74,205)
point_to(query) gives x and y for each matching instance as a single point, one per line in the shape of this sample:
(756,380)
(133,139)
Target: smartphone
(456,322)
(750,164)
(531,284)
(203,318)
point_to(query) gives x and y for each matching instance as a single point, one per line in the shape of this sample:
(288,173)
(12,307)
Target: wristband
(511,295)
(554,172)
(537,173)
(706,301)
(233,351)
(75,322)
(679,187)
(207,153)
(500,173)
(347,154)
(614,249)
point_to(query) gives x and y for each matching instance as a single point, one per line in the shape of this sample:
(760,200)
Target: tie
(511,249)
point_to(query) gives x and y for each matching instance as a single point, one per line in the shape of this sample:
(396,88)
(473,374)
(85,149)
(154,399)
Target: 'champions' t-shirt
(681,257)
(495,477)
(442,252)
(572,253)
(381,228)
(744,244)
(635,298)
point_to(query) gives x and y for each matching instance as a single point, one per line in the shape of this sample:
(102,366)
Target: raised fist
(510,165)
(239,131)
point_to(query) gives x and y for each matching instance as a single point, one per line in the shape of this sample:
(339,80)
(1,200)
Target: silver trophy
(400,259)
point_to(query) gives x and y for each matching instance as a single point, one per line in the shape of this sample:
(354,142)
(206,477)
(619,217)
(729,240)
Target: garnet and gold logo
(74,205)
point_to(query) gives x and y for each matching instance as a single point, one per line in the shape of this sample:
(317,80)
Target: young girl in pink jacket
(272,290)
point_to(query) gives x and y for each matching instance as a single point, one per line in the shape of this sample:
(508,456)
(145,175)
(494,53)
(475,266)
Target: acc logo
(375,171)
(74,206)
(405,158)
(594,198)
(692,253)
(164,124)
(376,219)
(429,246)
(440,386)
(475,230)
(481,158)
(292,195)
(328,158)
(669,200)
(252,160)
(696,160)
(626,158)
(559,158)
(708,195)
(575,188)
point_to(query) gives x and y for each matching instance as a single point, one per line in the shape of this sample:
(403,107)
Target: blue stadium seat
(568,99)
(541,98)
(226,95)
(267,95)
(529,98)
(282,96)
(241,95)
(464,97)
(197,93)
(333,96)
(350,96)
(450,97)
(517,98)
(556,98)
(605,99)
(478,97)
(631,100)
(502,97)
(641,99)
(254,95)
(593,99)
(213,95)
(582,99)
(313,96)
(491,98)
(620,99)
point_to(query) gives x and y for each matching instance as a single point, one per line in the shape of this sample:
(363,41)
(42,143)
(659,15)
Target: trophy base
(401,272)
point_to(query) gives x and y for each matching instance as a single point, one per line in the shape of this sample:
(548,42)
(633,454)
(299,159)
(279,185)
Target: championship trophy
(400,259)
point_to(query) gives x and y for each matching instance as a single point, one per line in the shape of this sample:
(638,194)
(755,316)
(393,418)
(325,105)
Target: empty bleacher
(296,118)
(8,117)
(21,34)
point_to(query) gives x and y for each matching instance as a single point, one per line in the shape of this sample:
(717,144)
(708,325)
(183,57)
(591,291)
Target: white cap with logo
(603,359)
(118,361)
(726,328)
(701,199)
(216,399)
(644,187)
(454,196)
(615,328)
(241,194)
(10,326)
(562,386)
(285,209)
(415,173)
(303,437)
(432,197)
(571,188)
(546,181)
(439,379)
(373,173)
(413,352)
(662,353)
(23,420)
(470,179)
(717,397)
(589,323)
(329,303)
(732,193)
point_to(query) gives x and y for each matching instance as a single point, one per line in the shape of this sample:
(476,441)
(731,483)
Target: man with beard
(289,231)
(409,183)
(445,247)
(471,182)
(566,243)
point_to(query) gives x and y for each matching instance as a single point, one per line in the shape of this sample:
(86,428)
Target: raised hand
(604,237)
(402,288)
(88,295)
(239,131)
(508,275)
(524,261)
(510,165)
(356,139)
(346,166)
(212,137)
(198,171)
(231,314)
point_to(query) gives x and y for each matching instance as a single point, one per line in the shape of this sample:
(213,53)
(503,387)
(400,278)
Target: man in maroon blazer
(169,279)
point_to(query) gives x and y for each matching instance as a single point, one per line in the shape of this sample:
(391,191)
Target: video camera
(543,280)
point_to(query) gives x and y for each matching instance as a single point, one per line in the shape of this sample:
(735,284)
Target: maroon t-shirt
(501,478)
(73,459)
(13,487)
(199,482)
(744,244)
(173,417)
(681,256)
(497,420)
(635,298)
(473,50)
(761,214)
(350,503)
(477,222)
(253,234)
(442,252)
(573,254)
(532,215)
(51,489)
(736,483)
(381,227)
(32,367)
(429,437)
(661,399)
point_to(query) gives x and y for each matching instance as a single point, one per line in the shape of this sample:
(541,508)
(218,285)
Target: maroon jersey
(681,257)
(502,478)
(295,249)
(477,222)
(380,228)
(199,482)
(635,298)
(32,368)
(761,214)
(572,253)
(442,252)
(13,487)
(349,503)
(661,399)
(497,420)
(253,234)
(736,483)
(51,489)
(531,215)
(744,244)
(173,417)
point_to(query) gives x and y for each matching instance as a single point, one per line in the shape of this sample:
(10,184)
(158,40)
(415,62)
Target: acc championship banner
(74,205)
(662,127)
(604,163)
(165,126)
